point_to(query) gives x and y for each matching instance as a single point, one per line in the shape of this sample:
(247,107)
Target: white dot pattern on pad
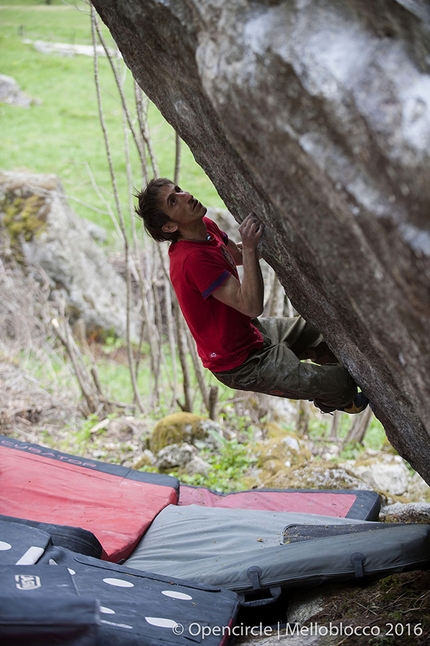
(161,622)
(31,556)
(177,595)
(5,546)
(120,583)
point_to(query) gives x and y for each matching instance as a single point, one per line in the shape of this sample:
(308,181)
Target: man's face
(180,206)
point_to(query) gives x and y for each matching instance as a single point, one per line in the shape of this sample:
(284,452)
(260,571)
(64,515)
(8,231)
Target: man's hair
(149,210)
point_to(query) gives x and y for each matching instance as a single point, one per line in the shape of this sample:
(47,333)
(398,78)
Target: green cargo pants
(277,369)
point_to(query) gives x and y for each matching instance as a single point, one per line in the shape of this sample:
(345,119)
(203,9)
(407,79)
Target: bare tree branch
(94,28)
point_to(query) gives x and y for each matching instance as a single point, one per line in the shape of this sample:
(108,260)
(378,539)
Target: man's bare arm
(236,251)
(246,297)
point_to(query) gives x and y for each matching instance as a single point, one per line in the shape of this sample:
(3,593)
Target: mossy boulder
(40,231)
(280,452)
(178,428)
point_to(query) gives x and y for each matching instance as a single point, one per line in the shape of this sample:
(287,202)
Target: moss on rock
(278,453)
(24,218)
(177,428)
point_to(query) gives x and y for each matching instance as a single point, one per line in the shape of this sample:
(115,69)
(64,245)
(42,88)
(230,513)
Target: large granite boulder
(316,115)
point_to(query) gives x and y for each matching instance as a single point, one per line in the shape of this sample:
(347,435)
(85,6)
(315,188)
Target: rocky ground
(394,610)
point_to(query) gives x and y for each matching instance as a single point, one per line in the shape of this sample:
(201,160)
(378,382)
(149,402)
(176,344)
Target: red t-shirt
(224,336)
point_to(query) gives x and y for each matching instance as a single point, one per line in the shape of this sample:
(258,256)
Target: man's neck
(197,232)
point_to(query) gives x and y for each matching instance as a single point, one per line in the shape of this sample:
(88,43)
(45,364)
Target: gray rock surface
(51,237)
(413,512)
(182,456)
(316,115)
(11,93)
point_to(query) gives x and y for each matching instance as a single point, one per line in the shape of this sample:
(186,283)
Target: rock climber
(244,350)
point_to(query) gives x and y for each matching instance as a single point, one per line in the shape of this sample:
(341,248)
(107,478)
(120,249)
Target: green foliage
(233,460)
(228,467)
(350,451)
(111,343)
(60,133)
(318,429)
(229,417)
(84,434)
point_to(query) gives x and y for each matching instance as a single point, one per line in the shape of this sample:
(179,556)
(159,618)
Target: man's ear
(169,227)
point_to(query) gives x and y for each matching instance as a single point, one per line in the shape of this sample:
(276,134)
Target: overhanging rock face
(316,115)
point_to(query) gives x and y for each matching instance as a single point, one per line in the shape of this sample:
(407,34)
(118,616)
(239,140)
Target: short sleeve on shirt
(217,283)
(206,271)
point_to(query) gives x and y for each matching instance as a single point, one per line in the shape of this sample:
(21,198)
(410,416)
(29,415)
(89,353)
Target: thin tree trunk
(213,399)
(182,349)
(91,398)
(120,216)
(335,423)
(171,336)
(303,417)
(144,131)
(276,297)
(359,427)
(126,111)
(141,113)
(198,369)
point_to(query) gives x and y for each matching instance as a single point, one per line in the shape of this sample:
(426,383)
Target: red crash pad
(114,503)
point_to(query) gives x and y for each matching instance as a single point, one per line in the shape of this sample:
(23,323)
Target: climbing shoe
(357,405)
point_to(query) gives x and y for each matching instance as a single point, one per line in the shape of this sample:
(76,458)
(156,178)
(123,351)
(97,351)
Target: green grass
(228,468)
(60,133)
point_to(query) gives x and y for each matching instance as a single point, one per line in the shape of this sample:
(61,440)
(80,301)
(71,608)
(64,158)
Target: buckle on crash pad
(254,573)
(357,560)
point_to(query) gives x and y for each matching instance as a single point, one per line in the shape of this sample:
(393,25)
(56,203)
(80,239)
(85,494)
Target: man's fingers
(256,226)
(251,220)
(251,230)
(251,217)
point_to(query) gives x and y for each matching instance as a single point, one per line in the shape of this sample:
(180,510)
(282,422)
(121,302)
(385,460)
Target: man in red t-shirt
(244,352)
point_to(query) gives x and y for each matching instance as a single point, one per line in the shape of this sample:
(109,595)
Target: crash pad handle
(254,603)
(254,573)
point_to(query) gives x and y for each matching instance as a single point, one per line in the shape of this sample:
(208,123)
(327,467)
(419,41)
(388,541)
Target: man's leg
(300,336)
(277,370)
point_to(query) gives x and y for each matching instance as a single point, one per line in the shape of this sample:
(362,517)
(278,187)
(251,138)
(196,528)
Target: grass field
(60,133)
